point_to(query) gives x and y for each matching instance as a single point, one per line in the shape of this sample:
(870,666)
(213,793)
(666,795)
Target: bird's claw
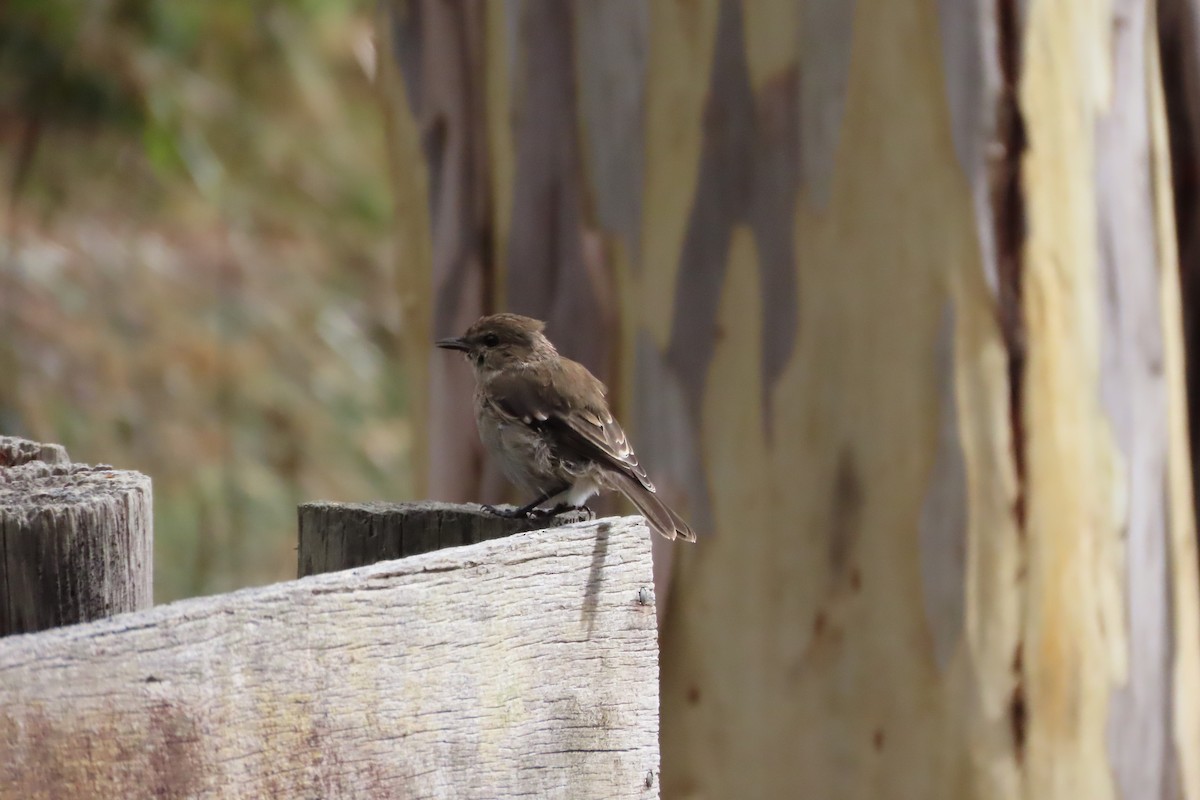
(583,513)
(506,513)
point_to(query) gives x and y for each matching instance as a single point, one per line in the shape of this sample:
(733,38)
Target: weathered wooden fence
(525,663)
(75,540)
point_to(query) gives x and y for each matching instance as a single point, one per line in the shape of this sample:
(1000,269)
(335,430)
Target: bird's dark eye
(491,340)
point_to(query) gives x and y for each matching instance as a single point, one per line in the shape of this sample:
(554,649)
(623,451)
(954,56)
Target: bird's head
(500,341)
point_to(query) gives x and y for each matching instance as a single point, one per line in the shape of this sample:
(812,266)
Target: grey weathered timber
(15,451)
(336,536)
(522,666)
(76,544)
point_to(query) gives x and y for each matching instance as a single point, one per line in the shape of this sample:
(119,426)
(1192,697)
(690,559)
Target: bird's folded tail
(660,515)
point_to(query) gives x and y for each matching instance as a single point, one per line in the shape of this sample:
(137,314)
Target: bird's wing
(568,402)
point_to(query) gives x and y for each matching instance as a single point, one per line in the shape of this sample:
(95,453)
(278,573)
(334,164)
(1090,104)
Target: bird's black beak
(453,343)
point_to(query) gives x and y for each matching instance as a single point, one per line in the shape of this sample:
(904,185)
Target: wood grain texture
(76,544)
(335,536)
(520,667)
(15,451)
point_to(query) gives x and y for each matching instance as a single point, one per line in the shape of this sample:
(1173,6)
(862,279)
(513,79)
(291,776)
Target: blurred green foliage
(194,271)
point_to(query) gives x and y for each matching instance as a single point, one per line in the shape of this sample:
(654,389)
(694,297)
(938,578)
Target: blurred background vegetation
(194,270)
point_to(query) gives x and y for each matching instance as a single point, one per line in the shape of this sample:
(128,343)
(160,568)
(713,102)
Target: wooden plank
(522,666)
(76,544)
(336,536)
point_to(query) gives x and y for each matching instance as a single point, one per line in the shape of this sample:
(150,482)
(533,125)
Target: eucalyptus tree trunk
(888,296)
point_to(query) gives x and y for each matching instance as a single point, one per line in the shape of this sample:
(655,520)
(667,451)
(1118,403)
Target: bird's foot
(572,513)
(506,513)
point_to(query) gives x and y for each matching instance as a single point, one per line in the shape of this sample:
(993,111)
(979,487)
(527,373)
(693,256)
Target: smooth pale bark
(900,329)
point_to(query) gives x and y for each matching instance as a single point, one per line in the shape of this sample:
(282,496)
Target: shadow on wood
(519,666)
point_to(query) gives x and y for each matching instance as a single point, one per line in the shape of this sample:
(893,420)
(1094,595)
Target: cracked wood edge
(15,451)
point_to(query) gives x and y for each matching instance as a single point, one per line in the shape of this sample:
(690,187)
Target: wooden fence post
(521,667)
(76,541)
(335,536)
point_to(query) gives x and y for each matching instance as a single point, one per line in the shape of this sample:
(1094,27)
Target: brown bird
(545,419)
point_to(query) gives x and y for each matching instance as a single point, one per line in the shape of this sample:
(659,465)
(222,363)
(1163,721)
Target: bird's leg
(564,505)
(585,513)
(572,502)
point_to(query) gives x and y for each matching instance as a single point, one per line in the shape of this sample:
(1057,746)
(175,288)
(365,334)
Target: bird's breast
(521,452)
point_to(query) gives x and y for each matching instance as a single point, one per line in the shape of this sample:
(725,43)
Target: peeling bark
(1008,225)
(1008,238)
(748,176)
